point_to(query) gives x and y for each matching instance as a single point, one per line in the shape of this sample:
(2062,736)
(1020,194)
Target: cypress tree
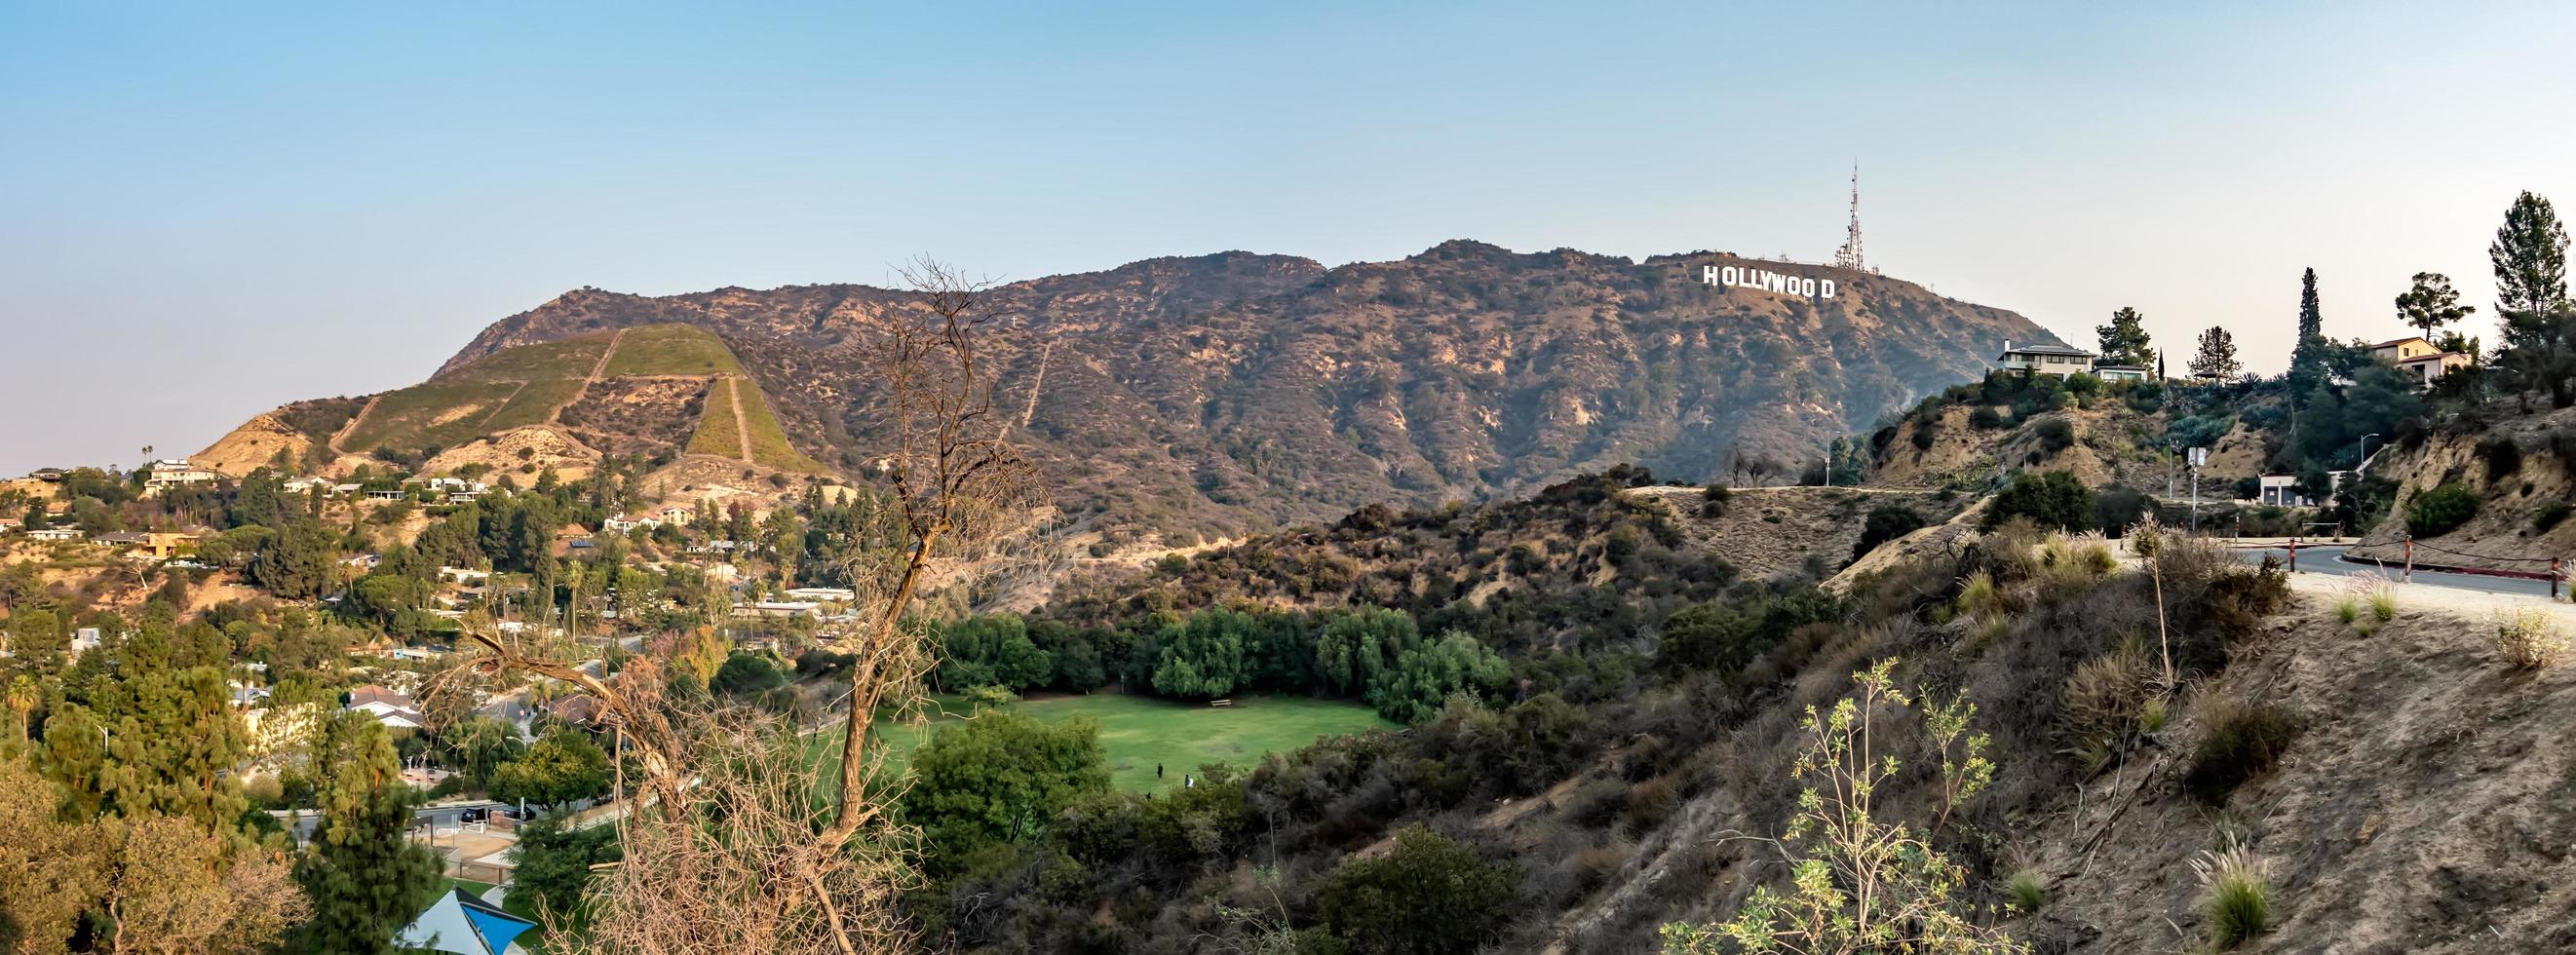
(2308,360)
(365,879)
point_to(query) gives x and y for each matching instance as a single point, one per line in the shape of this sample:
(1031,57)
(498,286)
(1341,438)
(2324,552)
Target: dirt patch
(253,445)
(1771,532)
(521,452)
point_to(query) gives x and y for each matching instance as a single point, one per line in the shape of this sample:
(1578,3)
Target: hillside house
(164,475)
(622,523)
(8,524)
(2117,373)
(2057,360)
(123,540)
(48,475)
(676,516)
(56,534)
(2420,358)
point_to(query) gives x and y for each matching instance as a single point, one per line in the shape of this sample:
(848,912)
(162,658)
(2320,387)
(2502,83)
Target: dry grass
(2528,638)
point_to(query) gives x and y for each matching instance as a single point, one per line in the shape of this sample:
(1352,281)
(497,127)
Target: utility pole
(2199,456)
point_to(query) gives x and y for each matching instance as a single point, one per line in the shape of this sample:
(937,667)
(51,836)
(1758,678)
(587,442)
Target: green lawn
(471,887)
(1142,731)
(670,350)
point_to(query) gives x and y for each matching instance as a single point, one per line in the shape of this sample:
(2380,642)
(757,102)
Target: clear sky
(210,209)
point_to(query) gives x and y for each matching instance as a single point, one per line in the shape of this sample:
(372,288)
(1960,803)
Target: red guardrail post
(2294,555)
(2410,558)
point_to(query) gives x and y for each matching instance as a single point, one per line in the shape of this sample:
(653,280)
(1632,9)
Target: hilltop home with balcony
(2420,358)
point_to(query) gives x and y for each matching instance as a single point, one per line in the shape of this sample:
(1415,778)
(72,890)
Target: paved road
(2330,559)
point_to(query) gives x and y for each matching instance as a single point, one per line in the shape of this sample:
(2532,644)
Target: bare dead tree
(735,853)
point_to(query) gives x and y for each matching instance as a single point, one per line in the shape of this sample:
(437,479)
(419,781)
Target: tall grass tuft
(2024,890)
(2380,594)
(2236,895)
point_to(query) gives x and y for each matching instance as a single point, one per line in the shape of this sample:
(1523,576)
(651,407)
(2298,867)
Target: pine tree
(2530,259)
(2217,356)
(367,881)
(2312,320)
(2431,304)
(2125,340)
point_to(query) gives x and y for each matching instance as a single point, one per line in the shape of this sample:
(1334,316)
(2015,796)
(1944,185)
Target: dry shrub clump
(2239,741)
(2106,698)
(2528,638)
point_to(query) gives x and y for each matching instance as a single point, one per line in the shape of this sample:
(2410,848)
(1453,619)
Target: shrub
(2239,741)
(1924,432)
(1430,895)
(2055,500)
(1885,523)
(2025,891)
(2441,510)
(2055,435)
(2382,598)
(2236,895)
(2502,454)
(2528,638)
(2550,516)
(2118,507)
(1985,418)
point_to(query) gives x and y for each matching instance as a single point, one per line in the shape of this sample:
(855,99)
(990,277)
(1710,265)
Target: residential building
(677,516)
(2045,359)
(48,475)
(173,473)
(2281,490)
(123,540)
(779,608)
(56,534)
(2117,373)
(622,523)
(2420,358)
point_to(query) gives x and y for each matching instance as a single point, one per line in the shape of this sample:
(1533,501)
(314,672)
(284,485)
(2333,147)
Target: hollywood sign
(1778,283)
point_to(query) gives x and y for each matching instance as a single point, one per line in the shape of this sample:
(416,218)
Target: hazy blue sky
(209,209)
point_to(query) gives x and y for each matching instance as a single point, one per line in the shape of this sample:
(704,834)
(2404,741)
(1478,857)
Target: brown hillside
(1238,391)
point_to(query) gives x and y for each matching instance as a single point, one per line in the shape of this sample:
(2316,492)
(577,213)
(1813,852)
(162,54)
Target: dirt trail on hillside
(343,433)
(596,369)
(741,421)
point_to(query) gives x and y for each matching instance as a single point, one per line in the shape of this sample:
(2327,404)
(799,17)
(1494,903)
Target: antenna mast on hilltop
(1849,255)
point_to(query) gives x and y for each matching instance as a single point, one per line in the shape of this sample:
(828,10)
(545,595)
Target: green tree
(2052,500)
(991,649)
(366,878)
(37,641)
(2125,340)
(1206,656)
(2530,260)
(173,745)
(2311,358)
(1429,896)
(1356,648)
(2217,355)
(562,766)
(1425,677)
(2431,303)
(297,563)
(555,862)
(747,675)
(1000,777)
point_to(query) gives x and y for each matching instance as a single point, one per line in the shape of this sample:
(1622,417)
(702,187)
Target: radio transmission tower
(1849,255)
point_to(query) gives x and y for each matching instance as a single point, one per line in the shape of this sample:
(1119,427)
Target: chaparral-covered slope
(1219,393)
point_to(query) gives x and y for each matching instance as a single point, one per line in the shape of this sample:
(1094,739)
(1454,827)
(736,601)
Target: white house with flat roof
(2058,360)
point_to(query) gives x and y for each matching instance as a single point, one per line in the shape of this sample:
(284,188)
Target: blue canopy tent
(464,925)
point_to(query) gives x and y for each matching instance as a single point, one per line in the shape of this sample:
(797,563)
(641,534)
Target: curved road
(2330,559)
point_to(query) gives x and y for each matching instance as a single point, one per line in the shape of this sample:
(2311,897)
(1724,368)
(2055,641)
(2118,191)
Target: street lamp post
(2365,454)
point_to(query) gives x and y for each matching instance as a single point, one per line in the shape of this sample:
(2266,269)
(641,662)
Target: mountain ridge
(1236,391)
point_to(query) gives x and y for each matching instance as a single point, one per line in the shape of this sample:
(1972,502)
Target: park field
(1142,731)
